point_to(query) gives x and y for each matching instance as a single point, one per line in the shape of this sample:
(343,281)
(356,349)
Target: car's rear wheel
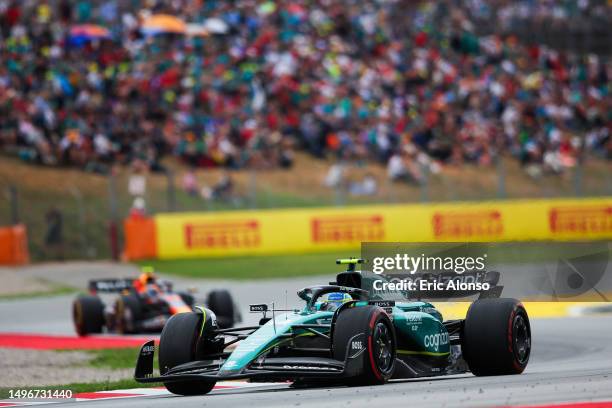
(178,345)
(88,315)
(496,337)
(128,311)
(369,328)
(221,302)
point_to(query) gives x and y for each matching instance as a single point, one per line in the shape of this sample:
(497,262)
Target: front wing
(275,368)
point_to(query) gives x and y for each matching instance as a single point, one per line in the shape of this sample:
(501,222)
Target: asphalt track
(52,315)
(571,361)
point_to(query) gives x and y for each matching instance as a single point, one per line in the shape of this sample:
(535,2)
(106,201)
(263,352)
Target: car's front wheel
(88,315)
(367,330)
(178,345)
(496,337)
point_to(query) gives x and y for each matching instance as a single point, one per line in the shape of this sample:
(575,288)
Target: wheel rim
(522,339)
(382,341)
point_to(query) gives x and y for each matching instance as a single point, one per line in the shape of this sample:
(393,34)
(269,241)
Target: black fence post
(501,178)
(14,204)
(171,193)
(424,182)
(113,230)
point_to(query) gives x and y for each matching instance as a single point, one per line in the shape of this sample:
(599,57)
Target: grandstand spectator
(348,78)
(365,187)
(223,190)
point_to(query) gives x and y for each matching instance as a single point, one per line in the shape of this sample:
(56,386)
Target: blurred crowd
(413,85)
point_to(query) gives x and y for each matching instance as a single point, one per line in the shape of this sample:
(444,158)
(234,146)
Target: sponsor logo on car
(258,308)
(581,220)
(230,364)
(467,224)
(348,228)
(239,234)
(434,341)
(413,319)
(303,367)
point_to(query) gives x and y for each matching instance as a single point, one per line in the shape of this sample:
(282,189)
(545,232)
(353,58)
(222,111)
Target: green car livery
(342,335)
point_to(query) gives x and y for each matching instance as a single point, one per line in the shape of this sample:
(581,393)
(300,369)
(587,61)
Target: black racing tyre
(177,345)
(221,302)
(496,337)
(378,340)
(128,311)
(187,298)
(88,315)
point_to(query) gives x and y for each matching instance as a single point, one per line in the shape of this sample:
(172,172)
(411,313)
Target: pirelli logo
(581,220)
(240,234)
(348,228)
(457,225)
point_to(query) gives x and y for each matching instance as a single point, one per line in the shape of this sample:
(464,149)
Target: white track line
(132,393)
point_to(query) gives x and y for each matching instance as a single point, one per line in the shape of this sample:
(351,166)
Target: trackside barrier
(14,245)
(140,238)
(184,235)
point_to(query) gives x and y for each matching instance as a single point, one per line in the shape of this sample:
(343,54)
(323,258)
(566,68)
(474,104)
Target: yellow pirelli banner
(180,235)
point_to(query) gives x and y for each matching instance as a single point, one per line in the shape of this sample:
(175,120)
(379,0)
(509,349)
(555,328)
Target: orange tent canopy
(163,23)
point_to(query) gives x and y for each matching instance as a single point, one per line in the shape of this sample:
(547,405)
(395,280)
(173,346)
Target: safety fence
(71,217)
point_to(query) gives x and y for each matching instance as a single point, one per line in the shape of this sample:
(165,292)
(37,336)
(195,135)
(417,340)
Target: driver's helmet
(332,301)
(147,276)
(152,291)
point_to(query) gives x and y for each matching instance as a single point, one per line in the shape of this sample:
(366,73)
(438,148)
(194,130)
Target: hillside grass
(84,198)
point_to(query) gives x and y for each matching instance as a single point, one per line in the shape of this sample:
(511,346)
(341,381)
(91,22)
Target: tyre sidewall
(354,321)
(88,315)
(488,337)
(222,304)
(128,311)
(177,345)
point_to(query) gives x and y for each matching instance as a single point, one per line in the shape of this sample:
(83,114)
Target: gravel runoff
(29,368)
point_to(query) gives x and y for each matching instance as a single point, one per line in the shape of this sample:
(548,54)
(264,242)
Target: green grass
(109,359)
(83,387)
(254,267)
(283,266)
(114,358)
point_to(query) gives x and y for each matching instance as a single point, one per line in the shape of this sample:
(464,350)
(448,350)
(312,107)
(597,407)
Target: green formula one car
(341,335)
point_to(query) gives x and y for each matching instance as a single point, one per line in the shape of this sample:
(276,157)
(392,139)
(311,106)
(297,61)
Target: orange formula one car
(143,305)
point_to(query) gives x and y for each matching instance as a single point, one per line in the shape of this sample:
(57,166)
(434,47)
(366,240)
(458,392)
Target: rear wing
(110,285)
